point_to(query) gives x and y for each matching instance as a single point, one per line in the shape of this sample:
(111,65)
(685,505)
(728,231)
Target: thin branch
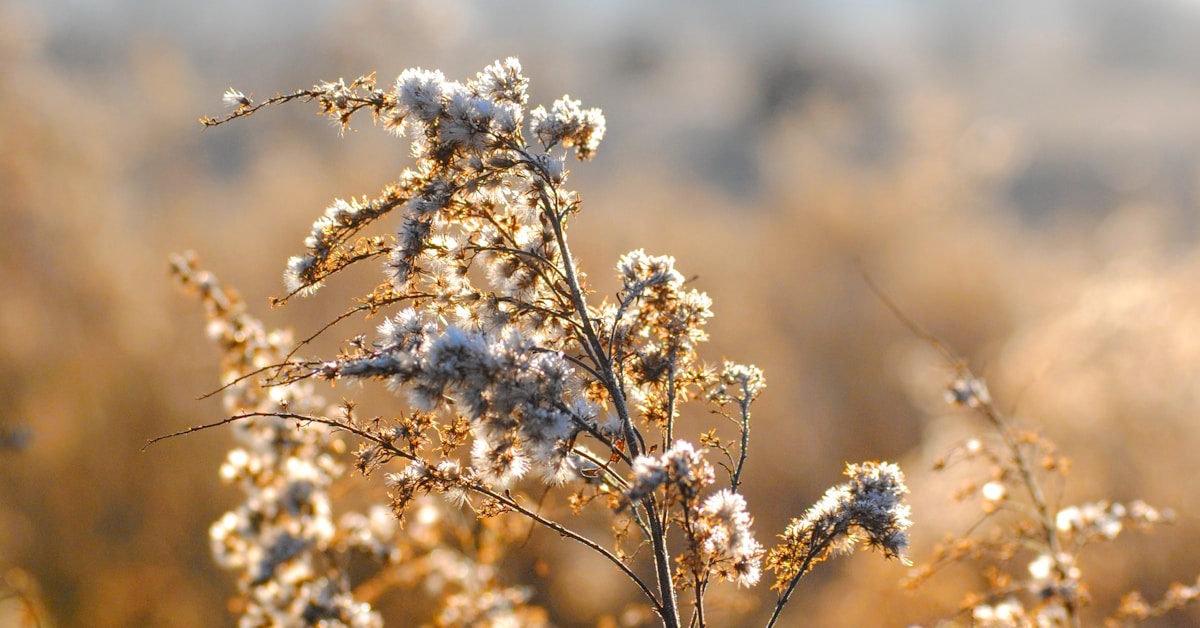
(377,101)
(324,328)
(744,405)
(508,500)
(815,550)
(908,323)
(191,430)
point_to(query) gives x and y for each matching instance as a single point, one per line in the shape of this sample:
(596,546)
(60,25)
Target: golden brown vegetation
(1085,325)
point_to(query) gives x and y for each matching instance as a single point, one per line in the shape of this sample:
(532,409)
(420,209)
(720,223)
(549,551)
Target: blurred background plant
(1028,544)
(1020,175)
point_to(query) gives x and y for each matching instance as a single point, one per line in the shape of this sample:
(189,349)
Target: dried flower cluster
(511,374)
(868,509)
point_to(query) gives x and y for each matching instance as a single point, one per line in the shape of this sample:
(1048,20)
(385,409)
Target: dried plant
(511,374)
(1027,544)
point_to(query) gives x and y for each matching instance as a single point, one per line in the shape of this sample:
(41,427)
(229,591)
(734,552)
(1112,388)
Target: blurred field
(1021,178)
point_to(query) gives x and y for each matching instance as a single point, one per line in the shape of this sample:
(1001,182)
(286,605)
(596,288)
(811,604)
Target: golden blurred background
(1020,177)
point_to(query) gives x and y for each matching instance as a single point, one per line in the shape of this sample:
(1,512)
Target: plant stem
(662,565)
(595,349)
(745,410)
(1045,519)
(814,551)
